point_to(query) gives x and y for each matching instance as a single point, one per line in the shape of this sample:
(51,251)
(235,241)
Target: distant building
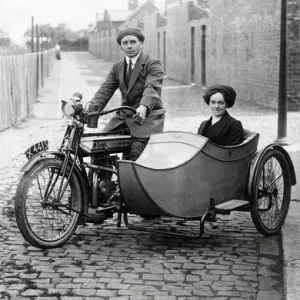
(136,17)
(110,19)
(102,42)
(214,41)
(173,3)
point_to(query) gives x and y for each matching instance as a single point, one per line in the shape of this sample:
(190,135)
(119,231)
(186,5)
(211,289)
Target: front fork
(72,145)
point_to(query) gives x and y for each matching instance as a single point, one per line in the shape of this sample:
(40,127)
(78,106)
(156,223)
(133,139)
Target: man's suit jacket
(144,88)
(226,132)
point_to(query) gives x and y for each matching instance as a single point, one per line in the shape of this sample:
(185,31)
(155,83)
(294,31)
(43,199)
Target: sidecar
(186,176)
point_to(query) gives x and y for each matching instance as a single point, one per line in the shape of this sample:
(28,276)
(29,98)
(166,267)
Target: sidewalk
(291,234)
(47,120)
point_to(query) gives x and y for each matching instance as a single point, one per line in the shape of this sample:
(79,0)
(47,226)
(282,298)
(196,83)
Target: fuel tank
(93,143)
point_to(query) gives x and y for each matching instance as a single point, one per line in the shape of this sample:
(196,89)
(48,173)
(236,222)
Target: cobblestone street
(230,261)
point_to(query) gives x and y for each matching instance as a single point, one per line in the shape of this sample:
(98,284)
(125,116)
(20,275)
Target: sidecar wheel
(43,221)
(271,193)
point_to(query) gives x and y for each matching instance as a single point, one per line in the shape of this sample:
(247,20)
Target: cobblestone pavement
(230,261)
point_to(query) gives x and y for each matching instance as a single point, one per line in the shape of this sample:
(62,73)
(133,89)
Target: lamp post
(282,95)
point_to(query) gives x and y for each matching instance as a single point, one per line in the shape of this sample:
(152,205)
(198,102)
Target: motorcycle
(86,180)
(74,185)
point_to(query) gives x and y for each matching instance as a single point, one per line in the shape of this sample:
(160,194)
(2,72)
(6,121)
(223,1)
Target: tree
(61,34)
(4,39)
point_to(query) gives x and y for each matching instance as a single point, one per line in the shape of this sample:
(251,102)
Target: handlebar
(104,112)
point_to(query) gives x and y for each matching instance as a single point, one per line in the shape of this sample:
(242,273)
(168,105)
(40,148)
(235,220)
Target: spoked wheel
(271,193)
(43,219)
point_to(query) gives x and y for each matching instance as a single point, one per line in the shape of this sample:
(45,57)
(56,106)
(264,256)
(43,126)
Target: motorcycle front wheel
(44,220)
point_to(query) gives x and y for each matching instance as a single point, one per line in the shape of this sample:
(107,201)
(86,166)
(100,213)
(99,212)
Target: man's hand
(92,107)
(140,113)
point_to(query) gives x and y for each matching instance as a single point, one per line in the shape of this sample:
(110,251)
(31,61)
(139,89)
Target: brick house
(103,40)
(233,42)
(236,43)
(186,42)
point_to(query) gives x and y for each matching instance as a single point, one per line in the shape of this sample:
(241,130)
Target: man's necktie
(129,71)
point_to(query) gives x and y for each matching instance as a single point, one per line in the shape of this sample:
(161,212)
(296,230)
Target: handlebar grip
(94,114)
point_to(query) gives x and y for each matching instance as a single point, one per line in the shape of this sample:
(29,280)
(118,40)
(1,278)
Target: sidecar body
(179,172)
(184,175)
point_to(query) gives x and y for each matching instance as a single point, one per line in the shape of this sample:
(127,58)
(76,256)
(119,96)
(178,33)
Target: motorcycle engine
(105,185)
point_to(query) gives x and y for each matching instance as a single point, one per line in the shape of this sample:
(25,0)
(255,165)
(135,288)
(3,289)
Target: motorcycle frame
(69,153)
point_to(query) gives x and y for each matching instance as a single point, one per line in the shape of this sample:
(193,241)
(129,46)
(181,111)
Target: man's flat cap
(130,31)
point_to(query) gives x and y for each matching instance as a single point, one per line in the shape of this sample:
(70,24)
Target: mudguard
(257,159)
(40,156)
(57,154)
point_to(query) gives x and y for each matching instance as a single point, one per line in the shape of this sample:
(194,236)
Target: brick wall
(178,43)
(181,20)
(243,48)
(293,67)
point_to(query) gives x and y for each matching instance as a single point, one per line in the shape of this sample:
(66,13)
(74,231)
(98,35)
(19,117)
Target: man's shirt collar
(133,59)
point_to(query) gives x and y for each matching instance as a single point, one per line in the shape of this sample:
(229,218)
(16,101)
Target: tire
(271,193)
(44,223)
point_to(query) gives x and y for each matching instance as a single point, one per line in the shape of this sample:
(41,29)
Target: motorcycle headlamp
(71,107)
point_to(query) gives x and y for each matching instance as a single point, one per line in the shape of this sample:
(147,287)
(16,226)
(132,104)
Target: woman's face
(217,104)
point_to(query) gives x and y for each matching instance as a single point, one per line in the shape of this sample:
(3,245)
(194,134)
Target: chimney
(106,15)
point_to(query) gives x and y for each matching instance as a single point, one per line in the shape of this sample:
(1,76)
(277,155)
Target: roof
(161,21)
(114,15)
(135,12)
(196,12)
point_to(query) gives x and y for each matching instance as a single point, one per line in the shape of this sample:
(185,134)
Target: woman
(221,128)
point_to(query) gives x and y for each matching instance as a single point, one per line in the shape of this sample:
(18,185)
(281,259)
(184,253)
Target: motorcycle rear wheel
(43,221)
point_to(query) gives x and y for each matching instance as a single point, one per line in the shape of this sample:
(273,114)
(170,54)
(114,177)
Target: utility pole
(48,38)
(37,33)
(282,95)
(37,58)
(32,34)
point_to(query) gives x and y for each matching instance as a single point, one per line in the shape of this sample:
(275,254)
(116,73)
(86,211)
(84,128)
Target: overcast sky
(15,15)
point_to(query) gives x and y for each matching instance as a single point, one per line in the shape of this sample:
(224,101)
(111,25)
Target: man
(139,77)
(57,52)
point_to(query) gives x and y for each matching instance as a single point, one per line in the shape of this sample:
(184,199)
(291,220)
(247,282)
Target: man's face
(131,45)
